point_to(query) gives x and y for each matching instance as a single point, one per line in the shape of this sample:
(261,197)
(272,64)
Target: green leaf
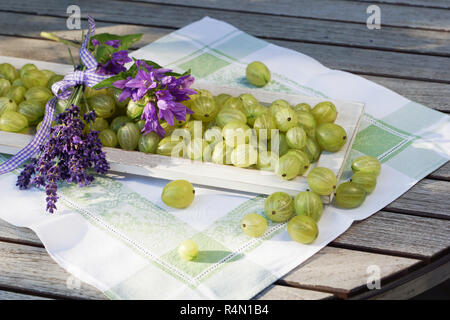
(108,83)
(104,53)
(125,41)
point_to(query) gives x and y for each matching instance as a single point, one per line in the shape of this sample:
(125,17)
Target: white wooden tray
(210,174)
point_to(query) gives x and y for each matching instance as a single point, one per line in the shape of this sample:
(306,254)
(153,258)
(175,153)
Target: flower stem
(52,36)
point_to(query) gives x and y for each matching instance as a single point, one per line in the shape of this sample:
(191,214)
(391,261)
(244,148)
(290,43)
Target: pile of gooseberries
(223,129)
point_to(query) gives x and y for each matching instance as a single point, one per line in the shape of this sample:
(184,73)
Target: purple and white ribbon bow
(62,90)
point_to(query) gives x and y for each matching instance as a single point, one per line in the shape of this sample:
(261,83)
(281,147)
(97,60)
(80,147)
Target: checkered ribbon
(62,90)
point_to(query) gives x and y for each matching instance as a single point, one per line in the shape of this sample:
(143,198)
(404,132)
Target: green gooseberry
(128,136)
(221,153)
(278,144)
(265,126)
(178,194)
(55,78)
(149,142)
(296,138)
(48,74)
(312,150)
(7,104)
(267,161)
(119,122)
(350,195)
(306,121)
(205,109)
(195,128)
(108,138)
(234,103)
(303,229)
(33,110)
(13,121)
(220,99)
(135,109)
(279,207)
(244,156)
(213,135)
(5,86)
(9,71)
(115,93)
(324,112)
(17,94)
(366,180)
(103,105)
(41,94)
(254,225)
(188,250)
(309,204)
(367,164)
(302,158)
(257,74)
(25,68)
(17,83)
(288,167)
(100,124)
(235,133)
(277,105)
(171,147)
(322,181)
(302,107)
(198,149)
(285,118)
(331,137)
(34,78)
(168,129)
(228,114)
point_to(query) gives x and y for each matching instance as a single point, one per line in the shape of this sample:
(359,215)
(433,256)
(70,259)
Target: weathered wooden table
(409,239)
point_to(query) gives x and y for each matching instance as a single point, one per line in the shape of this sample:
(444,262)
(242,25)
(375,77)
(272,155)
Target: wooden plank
(11,233)
(444,4)
(344,272)
(335,10)
(443,173)
(30,268)
(8,295)
(428,197)
(412,284)
(410,66)
(398,234)
(276,27)
(277,292)
(432,95)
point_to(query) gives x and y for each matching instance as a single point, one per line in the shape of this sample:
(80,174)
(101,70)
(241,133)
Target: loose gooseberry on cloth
(349,195)
(279,207)
(188,250)
(367,164)
(254,225)
(303,229)
(309,204)
(258,74)
(322,181)
(178,194)
(365,180)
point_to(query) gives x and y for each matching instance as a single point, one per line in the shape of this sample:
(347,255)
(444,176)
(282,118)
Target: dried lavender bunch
(67,156)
